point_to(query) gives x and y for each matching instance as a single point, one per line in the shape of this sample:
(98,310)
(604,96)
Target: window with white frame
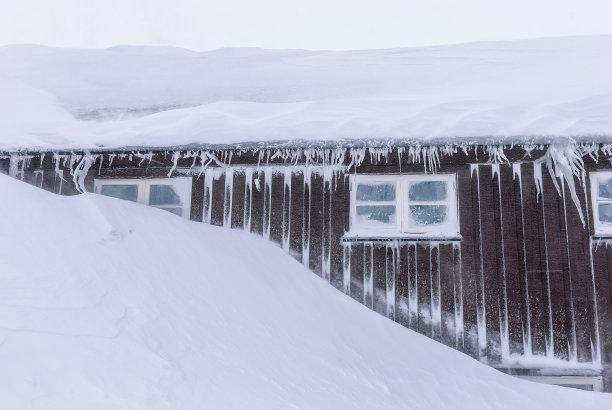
(170,194)
(411,204)
(601,198)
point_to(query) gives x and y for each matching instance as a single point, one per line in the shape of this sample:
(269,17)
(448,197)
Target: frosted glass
(428,191)
(428,214)
(605,188)
(605,213)
(376,192)
(163,195)
(127,192)
(381,214)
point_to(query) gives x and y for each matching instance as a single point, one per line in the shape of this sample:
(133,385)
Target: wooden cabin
(499,251)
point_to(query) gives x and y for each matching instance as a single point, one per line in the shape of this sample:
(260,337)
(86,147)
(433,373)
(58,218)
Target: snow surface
(164,97)
(110,304)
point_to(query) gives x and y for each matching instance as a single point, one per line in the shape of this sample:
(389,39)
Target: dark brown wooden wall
(527,282)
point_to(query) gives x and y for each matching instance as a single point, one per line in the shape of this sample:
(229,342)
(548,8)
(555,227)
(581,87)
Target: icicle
(175,157)
(79,173)
(346,267)
(565,162)
(390,275)
(287,209)
(14,166)
(227,197)
(208,184)
(496,154)
(326,234)
(41,173)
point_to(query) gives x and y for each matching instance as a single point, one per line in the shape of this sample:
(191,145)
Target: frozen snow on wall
(156,96)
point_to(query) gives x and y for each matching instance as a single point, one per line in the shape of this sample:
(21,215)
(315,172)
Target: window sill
(401,237)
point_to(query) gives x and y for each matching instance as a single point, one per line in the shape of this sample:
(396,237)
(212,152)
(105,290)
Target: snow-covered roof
(530,90)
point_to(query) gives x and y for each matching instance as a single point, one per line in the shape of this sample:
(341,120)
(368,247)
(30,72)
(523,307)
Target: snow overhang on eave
(322,144)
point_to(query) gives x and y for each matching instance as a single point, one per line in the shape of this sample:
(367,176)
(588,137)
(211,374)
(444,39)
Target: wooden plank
(379,263)
(558,281)
(423,264)
(470,255)
(197,198)
(514,266)
(276,205)
(316,222)
(357,271)
(536,329)
(413,287)
(297,212)
(447,294)
(238,199)
(602,269)
(257,202)
(339,209)
(218,198)
(577,244)
(436,312)
(401,287)
(491,258)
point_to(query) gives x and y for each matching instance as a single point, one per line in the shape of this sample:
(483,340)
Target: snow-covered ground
(110,304)
(162,97)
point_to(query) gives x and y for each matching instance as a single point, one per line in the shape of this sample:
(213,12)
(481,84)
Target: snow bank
(537,90)
(110,304)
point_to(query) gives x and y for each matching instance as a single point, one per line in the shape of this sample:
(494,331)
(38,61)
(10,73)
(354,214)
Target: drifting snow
(110,304)
(164,97)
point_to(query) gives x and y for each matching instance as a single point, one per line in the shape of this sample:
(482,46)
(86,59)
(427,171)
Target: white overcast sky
(310,24)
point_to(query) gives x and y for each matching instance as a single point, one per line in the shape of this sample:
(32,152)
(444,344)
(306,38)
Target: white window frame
(568,381)
(402,203)
(595,201)
(144,190)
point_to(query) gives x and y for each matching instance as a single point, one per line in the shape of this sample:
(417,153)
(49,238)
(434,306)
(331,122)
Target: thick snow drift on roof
(113,305)
(147,96)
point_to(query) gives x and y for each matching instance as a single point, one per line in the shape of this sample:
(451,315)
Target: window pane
(428,214)
(129,192)
(605,213)
(163,195)
(382,214)
(428,191)
(176,211)
(605,188)
(376,192)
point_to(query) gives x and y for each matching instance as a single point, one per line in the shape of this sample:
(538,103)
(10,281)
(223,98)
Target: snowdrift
(523,91)
(110,304)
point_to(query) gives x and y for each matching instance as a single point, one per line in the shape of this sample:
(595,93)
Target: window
(412,204)
(601,198)
(170,194)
